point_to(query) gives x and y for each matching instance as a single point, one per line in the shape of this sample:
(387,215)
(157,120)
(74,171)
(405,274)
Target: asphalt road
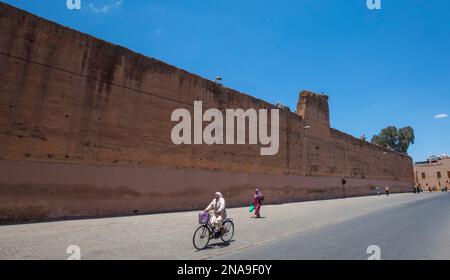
(404,226)
(415,230)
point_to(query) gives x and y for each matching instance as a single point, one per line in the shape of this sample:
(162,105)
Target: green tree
(395,139)
(406,138)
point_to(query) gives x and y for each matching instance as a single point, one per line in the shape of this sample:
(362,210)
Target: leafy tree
(395,139)
(406,138)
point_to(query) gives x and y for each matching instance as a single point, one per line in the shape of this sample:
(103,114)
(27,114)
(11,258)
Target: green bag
(252,207)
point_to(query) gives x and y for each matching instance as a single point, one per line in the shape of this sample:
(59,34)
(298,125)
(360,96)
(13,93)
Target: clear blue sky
(379,67)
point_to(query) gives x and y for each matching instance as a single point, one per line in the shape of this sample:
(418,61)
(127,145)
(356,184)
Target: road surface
(410,231)
(403,226)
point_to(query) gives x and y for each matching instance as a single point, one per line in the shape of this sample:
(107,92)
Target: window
(439,174)
(448,174)
(423,175)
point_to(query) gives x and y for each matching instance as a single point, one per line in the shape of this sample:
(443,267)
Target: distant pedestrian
(378,190)
(258,199)
(386,190)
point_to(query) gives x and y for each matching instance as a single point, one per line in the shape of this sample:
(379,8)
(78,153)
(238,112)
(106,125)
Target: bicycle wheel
(228,231)
(201,237)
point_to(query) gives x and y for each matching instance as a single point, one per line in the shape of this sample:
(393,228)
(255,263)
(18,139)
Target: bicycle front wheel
(201,237)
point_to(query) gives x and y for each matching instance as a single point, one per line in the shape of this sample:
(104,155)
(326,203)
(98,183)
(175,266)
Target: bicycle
(205,232)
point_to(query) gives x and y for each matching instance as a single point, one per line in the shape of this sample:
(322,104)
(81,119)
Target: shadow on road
(218,245)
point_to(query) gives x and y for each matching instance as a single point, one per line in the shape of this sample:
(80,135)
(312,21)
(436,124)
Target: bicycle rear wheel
(228,231)
(201,237)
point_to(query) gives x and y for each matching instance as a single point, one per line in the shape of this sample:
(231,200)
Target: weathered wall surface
(85,130)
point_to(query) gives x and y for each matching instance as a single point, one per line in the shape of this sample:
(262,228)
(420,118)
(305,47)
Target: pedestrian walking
(378,190)
(258,199)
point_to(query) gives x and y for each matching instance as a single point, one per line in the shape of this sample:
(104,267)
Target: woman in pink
(257,201)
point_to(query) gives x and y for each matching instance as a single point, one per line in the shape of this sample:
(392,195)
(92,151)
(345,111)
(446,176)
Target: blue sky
(379,67)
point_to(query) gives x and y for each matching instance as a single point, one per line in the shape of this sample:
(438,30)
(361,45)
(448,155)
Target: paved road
(403,225)
(415,230)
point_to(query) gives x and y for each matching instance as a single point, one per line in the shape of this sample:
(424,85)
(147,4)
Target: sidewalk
(169,236)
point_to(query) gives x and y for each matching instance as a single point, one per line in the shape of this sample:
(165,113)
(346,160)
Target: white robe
(220,213)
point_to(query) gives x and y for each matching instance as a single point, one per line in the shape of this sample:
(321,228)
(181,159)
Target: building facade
(433,174)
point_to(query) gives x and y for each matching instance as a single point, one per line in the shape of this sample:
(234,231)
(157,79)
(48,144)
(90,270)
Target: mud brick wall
(85,131)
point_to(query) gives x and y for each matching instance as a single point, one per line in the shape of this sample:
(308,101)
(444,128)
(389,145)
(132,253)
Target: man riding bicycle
(219,213)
